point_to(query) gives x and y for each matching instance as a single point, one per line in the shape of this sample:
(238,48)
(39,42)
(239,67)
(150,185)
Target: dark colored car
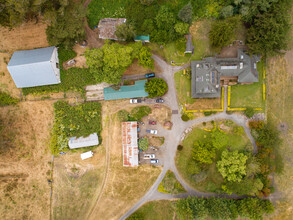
(149,75)
(160,100)
(152,122)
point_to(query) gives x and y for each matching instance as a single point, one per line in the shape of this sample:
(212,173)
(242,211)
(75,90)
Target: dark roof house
(38,67)
(208,73)
(107,27)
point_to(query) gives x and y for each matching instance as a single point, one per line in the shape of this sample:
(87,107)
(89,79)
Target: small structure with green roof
(143,38)
(126,92)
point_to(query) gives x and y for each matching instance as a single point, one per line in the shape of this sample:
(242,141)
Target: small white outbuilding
(86,155)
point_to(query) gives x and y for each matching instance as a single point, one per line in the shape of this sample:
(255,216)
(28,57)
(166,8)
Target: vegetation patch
(74,121)
(243,96)
(143,143)
(202,150)
(73,79)
(156,87)
(156,141)
(6,99)
(105,9)
(170,184)
(205,208)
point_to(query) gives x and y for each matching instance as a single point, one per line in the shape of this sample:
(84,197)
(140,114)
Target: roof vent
(241,57)
(241,65)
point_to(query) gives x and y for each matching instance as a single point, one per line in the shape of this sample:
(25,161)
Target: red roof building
(129,142)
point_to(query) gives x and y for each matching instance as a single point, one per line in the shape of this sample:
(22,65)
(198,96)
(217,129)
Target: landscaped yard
(170,184)
(206,177)
(183,88)
(249,95)
(174,51)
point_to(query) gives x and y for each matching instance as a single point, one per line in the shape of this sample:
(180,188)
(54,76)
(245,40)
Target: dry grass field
(27,36)
(280,110)
(123,186)
(25,160)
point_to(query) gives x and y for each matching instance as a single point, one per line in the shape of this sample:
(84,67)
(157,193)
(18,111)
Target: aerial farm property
(145,109)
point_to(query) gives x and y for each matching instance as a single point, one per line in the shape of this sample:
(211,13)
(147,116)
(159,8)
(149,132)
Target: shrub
(229,123)
(204,123)
(203,152)
(123,115)
(6,99)
(184,117)
(256,124)
(249,112)
(209,113)
(179,147)
(143,143)
(238,130)
(156,87)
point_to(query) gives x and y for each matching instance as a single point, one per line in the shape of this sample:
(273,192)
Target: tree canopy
(203,152)
(185,14)
(125,31)
(156,87)
(232,165)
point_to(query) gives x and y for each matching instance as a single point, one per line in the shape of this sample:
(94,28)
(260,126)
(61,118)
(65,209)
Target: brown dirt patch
(27,36)
(204,104)
(136,69)
(160,113)
(156,141)
(25,160)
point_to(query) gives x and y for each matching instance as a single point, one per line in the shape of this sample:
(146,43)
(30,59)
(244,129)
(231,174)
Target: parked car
(152,131)
(149,156)
(149,75)
(154,161)
(135,101)
(152,122)
(140,122)
(159,100)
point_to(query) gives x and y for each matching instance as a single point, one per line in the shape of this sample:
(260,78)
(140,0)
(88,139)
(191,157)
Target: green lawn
(175,50)
(99,9)
(206,178)
(183,88)
(156,210)
(170,184)
(249,95)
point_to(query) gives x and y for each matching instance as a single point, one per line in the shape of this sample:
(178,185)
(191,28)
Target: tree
(269,32)
(143,143)
(185,14)
(108,63)
(203,152)
(227,11)
(219,138)
(145,58)
(223,32)
(232,166)
(156,87)
(68,26)
(248,186)
(181,28)
(125,32)
(165,18)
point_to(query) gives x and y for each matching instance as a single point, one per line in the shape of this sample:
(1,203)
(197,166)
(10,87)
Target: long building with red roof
(129,142)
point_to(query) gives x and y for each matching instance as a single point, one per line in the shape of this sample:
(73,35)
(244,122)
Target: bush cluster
(6,99)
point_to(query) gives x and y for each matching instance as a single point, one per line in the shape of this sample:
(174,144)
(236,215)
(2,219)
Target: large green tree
(232,166)
(156,87)
(203,152)
(125,32)
(185,14)
(67,27)
(269,32)
(145,58)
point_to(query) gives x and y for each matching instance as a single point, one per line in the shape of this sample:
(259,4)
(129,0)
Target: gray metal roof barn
(38,67)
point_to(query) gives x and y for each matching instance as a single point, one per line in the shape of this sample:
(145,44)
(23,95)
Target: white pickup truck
(149,156)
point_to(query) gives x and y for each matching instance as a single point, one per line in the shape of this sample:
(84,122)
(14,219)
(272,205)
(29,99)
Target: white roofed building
(129,142)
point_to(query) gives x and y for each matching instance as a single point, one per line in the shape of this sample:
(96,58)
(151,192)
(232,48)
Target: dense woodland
(267,21)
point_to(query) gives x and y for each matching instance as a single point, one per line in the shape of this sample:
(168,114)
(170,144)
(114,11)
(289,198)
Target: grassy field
(280,110)
(99,9)
(76,184)
(249,95)
(170,184)
(175,50)
(206,179)
(156,210)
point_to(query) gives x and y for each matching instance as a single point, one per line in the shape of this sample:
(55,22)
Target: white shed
(86,155)
(88,141)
